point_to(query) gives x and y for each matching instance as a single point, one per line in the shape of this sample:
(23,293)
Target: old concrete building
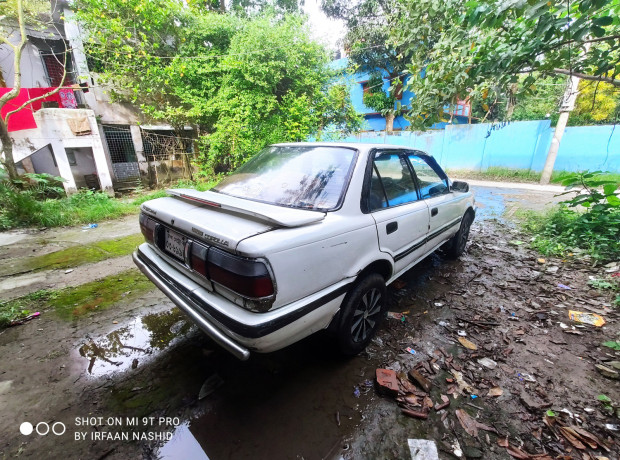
(78,133)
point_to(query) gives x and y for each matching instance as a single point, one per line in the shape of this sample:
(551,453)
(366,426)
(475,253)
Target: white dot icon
(26,428)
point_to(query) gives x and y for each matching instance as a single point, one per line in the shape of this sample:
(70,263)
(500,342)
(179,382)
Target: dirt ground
(140,370)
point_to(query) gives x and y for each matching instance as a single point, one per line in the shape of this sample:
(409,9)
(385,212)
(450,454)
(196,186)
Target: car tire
(456,245)
(362,311)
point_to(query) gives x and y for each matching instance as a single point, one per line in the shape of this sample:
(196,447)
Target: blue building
(375,121)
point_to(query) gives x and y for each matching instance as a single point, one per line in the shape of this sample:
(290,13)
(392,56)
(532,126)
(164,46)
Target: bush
(570,228)
(39,201)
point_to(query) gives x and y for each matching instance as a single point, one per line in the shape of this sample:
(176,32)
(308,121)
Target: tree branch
(583,76)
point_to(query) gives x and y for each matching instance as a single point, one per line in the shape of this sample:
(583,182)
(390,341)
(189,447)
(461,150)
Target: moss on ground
(78,255)
(75,302)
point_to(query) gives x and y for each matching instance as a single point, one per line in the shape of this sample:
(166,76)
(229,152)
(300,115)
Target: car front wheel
(362,312)
(457,244)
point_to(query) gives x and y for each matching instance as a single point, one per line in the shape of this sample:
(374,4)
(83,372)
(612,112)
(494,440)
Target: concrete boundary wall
(515,145)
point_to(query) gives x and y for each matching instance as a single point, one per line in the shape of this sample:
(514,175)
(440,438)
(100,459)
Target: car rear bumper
(235,329)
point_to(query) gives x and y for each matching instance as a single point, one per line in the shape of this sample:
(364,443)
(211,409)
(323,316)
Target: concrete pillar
(72,32)
(100,157)
(138,145)
(64,169)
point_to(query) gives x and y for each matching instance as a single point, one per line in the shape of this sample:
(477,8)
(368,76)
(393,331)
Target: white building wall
(32,68)
(53,129)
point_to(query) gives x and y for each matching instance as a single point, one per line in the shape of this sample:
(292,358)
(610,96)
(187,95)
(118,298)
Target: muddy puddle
(133,344)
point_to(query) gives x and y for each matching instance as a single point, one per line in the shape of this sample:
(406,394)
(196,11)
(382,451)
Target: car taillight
(247,277)
(198,259)
(148,228)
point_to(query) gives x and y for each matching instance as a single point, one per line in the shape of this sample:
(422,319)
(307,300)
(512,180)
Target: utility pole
(566,107)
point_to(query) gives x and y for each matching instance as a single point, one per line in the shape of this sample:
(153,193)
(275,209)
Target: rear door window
(391,183)
(430,181)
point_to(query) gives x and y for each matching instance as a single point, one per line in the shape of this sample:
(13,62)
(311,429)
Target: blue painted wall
(517,145)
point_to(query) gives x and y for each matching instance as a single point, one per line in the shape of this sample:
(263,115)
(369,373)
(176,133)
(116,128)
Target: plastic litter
(563,286)
(356,392)
(89,226)
(462,333)
(17,322)
(210,385)
(488,363)
(423,449)
(586,318)
(524,376)
(410,350)
(397,315)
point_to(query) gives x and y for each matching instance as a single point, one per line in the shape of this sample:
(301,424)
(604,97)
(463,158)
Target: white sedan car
(302,237)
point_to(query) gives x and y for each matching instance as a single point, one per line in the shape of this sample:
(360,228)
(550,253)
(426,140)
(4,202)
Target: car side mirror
(460,186)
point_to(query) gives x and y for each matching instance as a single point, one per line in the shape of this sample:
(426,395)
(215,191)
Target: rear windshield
(312,178)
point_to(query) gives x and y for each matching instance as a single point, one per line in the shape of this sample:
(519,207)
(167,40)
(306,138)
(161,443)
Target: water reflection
(126,346)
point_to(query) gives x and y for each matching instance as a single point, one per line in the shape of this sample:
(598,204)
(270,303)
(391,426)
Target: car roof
(351,145)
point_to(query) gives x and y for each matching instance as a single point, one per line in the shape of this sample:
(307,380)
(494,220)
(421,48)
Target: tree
(244,82)
(16,15)
(370,51)
(377,99)
(478,48)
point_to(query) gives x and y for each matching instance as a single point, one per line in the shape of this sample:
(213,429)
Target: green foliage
(593,191)
(479,48)
(244,81)
(614,345)
(376,98)
(597,103)
(595,230)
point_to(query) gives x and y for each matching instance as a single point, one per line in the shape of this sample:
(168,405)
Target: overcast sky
(326,30)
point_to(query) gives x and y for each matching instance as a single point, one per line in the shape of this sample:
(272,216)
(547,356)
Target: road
(138,368)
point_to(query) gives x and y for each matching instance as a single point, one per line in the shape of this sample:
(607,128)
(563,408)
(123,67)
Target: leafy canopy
(245,82)
(478,48)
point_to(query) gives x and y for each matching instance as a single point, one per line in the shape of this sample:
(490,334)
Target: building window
(55,71)
(71,157)
(120,143)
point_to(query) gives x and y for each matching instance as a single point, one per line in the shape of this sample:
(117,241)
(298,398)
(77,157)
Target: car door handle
(434,212)
(391,227)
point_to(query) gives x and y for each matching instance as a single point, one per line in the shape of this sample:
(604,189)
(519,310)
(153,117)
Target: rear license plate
(175,244)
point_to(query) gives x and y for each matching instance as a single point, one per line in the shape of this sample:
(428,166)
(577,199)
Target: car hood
(223,220)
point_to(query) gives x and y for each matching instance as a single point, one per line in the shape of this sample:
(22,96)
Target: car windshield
(307,177)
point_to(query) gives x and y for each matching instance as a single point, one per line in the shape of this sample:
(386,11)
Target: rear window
(308,177)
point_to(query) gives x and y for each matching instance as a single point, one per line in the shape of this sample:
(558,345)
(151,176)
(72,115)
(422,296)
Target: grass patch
(75,302)
(78,255)
(30,208)
(518,175)
(564,232)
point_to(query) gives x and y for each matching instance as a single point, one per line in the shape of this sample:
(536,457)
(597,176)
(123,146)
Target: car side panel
(313,260)
(402,232)
(450,209)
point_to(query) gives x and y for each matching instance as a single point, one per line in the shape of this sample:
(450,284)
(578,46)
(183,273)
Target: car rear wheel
(362,312)
(457,244)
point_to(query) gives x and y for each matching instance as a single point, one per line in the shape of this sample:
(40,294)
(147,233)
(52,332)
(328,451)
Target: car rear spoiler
(279,215)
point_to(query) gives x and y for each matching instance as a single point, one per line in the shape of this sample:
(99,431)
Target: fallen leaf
(467,344)
(495,391)
(502,442)
(468,423)
(570,437)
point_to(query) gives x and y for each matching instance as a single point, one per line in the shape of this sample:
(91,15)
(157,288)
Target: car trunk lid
(222,220)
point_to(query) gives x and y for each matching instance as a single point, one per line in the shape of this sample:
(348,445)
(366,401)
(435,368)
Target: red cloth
(38,92)
(24,119)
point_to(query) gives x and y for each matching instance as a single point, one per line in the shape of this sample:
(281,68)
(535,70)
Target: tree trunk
(389,122)
(7,150)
